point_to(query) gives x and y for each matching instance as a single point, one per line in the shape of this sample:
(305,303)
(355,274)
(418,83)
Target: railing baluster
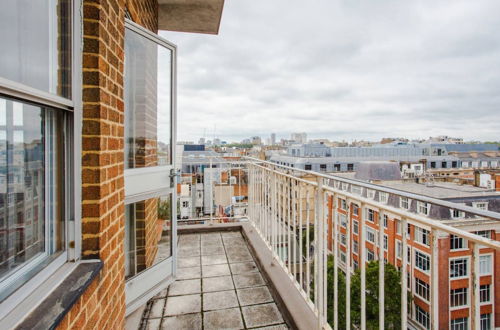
(316,248)
(381,273)
(294,226)
(434,280)
(404,272)
(362,265)
(301,224)
(475,286)
(349,265)
(335,247)
(308,248)
(324,249)
(288,224)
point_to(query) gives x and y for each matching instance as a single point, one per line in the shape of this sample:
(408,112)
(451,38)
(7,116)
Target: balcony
(309,245)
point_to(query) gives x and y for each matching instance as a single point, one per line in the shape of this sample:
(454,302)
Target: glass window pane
(36,44)
(31,221)
(147,102)
(148,234)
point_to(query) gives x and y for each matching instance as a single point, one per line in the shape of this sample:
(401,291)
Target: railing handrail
(413,196)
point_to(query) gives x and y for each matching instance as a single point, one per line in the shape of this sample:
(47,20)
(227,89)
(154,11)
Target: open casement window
(150,209)
(40,136)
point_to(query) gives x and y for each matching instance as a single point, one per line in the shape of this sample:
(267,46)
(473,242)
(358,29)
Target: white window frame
(370,215)
(458,239)
(485,302)
(488,319)
(343,220)
(420,311)
(38,286)
(467,263)
(343,204)
(399,249)
(404,203)
(480,205)
(462,325)
(357,190)
(423,208)
(383,197)
(370,193)
(425,286)
(422,236)
(370,232)
(424,255)
(369,252)
(489,257)
(457,214)
(355,227)
(466,295)
(483,233)
(355,209)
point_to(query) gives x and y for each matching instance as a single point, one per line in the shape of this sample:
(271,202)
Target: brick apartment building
(454,255)
(87,125)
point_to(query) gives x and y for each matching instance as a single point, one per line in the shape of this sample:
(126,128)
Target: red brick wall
(102,306)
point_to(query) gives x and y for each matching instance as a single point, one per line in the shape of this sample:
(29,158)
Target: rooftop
(441,189)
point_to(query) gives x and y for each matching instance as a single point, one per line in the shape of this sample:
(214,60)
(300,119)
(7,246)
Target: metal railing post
(362,265)
(381,271)
(404,274)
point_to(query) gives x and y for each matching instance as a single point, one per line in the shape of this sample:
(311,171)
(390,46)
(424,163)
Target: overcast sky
(349,69)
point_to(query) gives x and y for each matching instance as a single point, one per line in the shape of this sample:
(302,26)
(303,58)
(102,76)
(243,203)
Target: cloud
(343,70)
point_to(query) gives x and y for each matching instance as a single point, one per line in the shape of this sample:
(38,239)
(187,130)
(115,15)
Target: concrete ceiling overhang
(198,16)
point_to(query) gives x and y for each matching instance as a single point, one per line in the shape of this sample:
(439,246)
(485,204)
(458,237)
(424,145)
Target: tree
(392,297)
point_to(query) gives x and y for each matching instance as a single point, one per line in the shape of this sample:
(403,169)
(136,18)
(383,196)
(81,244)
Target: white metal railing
(298,214)
(307,218)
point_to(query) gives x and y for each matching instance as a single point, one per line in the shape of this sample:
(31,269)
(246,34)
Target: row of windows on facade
(444,164)
(424,319)
(404,203)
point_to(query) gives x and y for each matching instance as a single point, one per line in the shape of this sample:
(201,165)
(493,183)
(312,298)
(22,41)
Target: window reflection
(148,234)
(30,166)
(36,44)
(147,102)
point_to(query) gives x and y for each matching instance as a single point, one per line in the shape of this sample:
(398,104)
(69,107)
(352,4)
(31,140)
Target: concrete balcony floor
(219,286)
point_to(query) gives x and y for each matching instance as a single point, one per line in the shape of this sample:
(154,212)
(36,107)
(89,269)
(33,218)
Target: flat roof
(441,190)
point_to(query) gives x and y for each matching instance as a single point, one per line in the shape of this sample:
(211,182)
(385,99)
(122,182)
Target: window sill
(52,309)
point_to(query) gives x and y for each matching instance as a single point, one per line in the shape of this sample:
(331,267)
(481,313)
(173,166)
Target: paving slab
(243,268)
(178,305)
(189,273)
(239,257)
(219,300)
(214,259)
(207,250)
(185,287)
(220,283)
(253,296)
(188,262)
(216,270)
(182,322)
(153,324)
(157,308)
(248,280)
(223,319)
(189,252)
(261,315)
